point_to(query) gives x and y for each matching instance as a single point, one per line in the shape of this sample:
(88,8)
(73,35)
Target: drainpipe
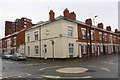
(40,41)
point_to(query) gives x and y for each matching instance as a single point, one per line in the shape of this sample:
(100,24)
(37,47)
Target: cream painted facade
(32,43)
(56,31)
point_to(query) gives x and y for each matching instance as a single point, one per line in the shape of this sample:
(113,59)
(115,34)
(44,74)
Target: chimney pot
(88,21)
(51,15)
(100,25)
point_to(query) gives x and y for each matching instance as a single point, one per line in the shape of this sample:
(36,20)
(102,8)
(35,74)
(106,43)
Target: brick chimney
(100,25)
(116,30)
(66,13)
(51,15)
(72,15)
(88,21)
(108,28)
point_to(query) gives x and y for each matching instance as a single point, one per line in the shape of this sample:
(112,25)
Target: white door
(79,51)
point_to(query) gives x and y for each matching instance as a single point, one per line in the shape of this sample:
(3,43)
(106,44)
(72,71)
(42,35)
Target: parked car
(6,55)
(18,56)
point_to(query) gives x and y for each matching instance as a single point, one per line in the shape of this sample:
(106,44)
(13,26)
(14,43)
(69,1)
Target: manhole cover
(72,70)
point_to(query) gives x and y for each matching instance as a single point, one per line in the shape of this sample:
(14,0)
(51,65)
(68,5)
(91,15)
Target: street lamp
(95,35)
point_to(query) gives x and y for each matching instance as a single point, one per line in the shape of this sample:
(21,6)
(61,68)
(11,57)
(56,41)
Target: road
(101,67)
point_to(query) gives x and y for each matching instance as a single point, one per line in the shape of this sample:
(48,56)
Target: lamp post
(95,35)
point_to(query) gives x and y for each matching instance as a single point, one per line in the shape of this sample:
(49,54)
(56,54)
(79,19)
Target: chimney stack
(72,15)
(116,30)
(66,13)
(51,15)
(100,25)
(108,28)
(88,21)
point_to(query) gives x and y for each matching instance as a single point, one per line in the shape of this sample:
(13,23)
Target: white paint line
(0,77)
(49,67)
(19,76)
(58,77)
(106,69)
(28,74)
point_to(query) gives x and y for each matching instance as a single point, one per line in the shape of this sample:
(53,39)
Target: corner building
(65,37)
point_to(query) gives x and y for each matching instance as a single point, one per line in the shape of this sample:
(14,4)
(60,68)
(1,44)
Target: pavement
(88,68)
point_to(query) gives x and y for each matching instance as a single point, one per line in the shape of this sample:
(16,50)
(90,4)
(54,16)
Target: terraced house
(64,37)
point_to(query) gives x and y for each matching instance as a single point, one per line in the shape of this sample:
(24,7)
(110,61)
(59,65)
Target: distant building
(14,34)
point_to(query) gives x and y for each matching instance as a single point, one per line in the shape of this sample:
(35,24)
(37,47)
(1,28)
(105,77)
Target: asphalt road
(101,67)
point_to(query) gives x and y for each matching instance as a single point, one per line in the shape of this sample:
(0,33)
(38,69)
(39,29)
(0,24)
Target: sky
(38,10)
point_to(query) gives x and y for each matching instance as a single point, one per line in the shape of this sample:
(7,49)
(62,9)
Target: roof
(71,20)
(13,34)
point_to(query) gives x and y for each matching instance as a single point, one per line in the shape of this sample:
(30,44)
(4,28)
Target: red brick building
(95,40)
(14,34)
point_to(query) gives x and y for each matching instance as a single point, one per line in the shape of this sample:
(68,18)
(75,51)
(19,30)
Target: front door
(79,51)
(45,51)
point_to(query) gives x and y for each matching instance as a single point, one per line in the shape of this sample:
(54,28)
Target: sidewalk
(67,61)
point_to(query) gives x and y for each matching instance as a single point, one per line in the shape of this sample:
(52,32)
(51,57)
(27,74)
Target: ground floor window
(71,48)
(101,48)
(84,49)
(28,50)
(93,48)
(36,50)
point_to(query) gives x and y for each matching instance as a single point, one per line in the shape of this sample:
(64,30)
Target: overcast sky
(37,10)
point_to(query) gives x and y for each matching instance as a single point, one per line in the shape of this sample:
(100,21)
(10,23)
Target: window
(118,39)
(25,22)
(28,37)
(36,35)
(105,37)
(25,26)
(70,31)
(7,42)
(36,49)
(83,33)
(14,41)
(101,48)
(28,50)
(71,48)
(100,36)
(47,32)
(93,48)
(92,35)
(111,38)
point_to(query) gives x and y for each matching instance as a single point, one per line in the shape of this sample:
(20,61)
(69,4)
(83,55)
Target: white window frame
(92,35)
(28,49)
(84,36)
(28,37)
(36,33)
(36,46)
(71,48)
(14,41)
(47,31)
(100,36)
(70,31)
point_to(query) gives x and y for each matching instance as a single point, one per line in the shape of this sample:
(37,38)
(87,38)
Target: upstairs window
(105,37)
(28,38)
(100,36)
(70,31)
(83,33)
(36,35)
(14,41)
(92,35)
